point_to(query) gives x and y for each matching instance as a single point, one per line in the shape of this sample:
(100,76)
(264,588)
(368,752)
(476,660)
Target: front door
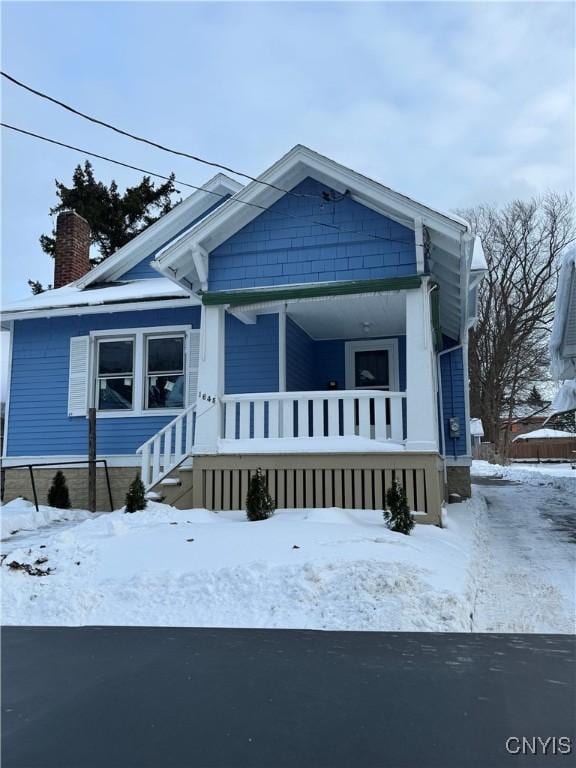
(372,364)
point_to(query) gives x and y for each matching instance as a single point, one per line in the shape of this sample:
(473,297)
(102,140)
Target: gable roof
(162,231)
(454,254)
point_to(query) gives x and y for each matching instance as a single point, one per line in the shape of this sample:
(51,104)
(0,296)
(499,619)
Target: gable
(142,270)
(287,243)
(132,261)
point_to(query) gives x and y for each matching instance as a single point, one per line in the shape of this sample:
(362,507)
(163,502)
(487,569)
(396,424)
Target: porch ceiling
(351,317)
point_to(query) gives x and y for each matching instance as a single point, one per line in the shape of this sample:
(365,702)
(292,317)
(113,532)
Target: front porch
(345,369)
(368,414)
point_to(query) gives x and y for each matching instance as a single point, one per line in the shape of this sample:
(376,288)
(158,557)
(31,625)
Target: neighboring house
(563,339)
(319,333)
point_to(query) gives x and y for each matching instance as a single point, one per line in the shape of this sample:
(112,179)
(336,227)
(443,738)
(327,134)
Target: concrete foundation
(18,483)
(458,481)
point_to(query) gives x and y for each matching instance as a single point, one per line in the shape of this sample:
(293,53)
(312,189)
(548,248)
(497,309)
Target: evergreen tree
(114,217)
(397,514)
(259,503)
(58,495)
(136,498)
(36,287)
(534,398)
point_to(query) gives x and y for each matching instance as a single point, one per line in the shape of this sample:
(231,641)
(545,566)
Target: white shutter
(78,378)
(192,357)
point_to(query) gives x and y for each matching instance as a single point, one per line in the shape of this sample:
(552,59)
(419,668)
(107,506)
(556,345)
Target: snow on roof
(561,366)
(478,256)
(545,434)
(476,427)
(71,296)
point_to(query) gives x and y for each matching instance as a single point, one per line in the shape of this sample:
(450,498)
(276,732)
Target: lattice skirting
(356,481)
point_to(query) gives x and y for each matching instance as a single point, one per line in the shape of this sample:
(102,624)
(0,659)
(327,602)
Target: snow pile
(21,515)
(307,568)
(559,476)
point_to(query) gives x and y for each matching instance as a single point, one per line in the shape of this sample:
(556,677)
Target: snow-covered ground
(526,580)
(555,475)
(20,516)
(505,563)
(322,569)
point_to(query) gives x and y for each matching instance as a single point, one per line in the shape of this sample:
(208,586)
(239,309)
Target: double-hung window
(115,374)
(140,371)
(164,372)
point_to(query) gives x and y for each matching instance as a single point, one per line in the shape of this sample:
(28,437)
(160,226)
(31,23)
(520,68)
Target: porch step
(176,487)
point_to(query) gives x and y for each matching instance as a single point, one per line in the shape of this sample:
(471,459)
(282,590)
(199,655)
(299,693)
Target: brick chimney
(72,256)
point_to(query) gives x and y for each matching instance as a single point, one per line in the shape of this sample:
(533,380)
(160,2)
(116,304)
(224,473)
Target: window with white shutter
(192,358)
(79,376)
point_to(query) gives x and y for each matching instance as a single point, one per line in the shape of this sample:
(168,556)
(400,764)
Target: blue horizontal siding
(453,370)
(38,421)
(274,249)
(300,360)
(251,355)
(143,270)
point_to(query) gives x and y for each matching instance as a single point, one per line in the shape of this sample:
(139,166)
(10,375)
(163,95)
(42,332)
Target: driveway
(527,579)
(150,697)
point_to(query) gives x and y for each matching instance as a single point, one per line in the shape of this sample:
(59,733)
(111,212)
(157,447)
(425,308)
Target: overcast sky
(451,103)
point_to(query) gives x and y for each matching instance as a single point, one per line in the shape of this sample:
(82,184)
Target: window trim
(139,335)
(388,345)
(97,376)
(147,374)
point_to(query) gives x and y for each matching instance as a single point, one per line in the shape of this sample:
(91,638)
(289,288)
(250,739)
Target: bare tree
(508,347)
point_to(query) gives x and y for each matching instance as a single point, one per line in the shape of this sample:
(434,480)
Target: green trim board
(251,296)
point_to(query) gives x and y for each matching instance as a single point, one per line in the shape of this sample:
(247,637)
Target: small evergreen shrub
(58,495)
(397,513)
(135,498)
(259,503)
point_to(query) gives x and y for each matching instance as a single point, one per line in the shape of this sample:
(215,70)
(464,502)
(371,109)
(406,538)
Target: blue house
(313,323)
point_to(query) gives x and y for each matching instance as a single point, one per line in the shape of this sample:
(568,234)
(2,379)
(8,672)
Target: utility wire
(147,141)
(202,189)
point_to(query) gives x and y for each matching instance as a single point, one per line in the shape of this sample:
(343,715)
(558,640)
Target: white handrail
(335,394)
(168,448)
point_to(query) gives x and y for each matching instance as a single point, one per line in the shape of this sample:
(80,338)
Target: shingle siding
(143,270)
(38,421)
(272,250)
(453,370)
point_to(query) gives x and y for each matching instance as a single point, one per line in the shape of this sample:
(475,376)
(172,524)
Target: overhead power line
(296,217)
(143,140)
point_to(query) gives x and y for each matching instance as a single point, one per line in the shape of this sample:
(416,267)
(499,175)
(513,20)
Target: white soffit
(351,317)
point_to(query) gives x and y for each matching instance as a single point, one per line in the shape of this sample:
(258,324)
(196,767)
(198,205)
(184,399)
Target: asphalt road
(118,697)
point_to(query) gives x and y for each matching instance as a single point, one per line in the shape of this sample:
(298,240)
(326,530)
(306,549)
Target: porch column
(421,407)
(210,380)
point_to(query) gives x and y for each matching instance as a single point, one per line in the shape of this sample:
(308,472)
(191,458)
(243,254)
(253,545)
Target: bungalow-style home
(563,338)
(313,323)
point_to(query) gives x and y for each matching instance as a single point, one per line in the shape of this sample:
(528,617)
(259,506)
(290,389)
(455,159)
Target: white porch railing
(372,414)
(168,448)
